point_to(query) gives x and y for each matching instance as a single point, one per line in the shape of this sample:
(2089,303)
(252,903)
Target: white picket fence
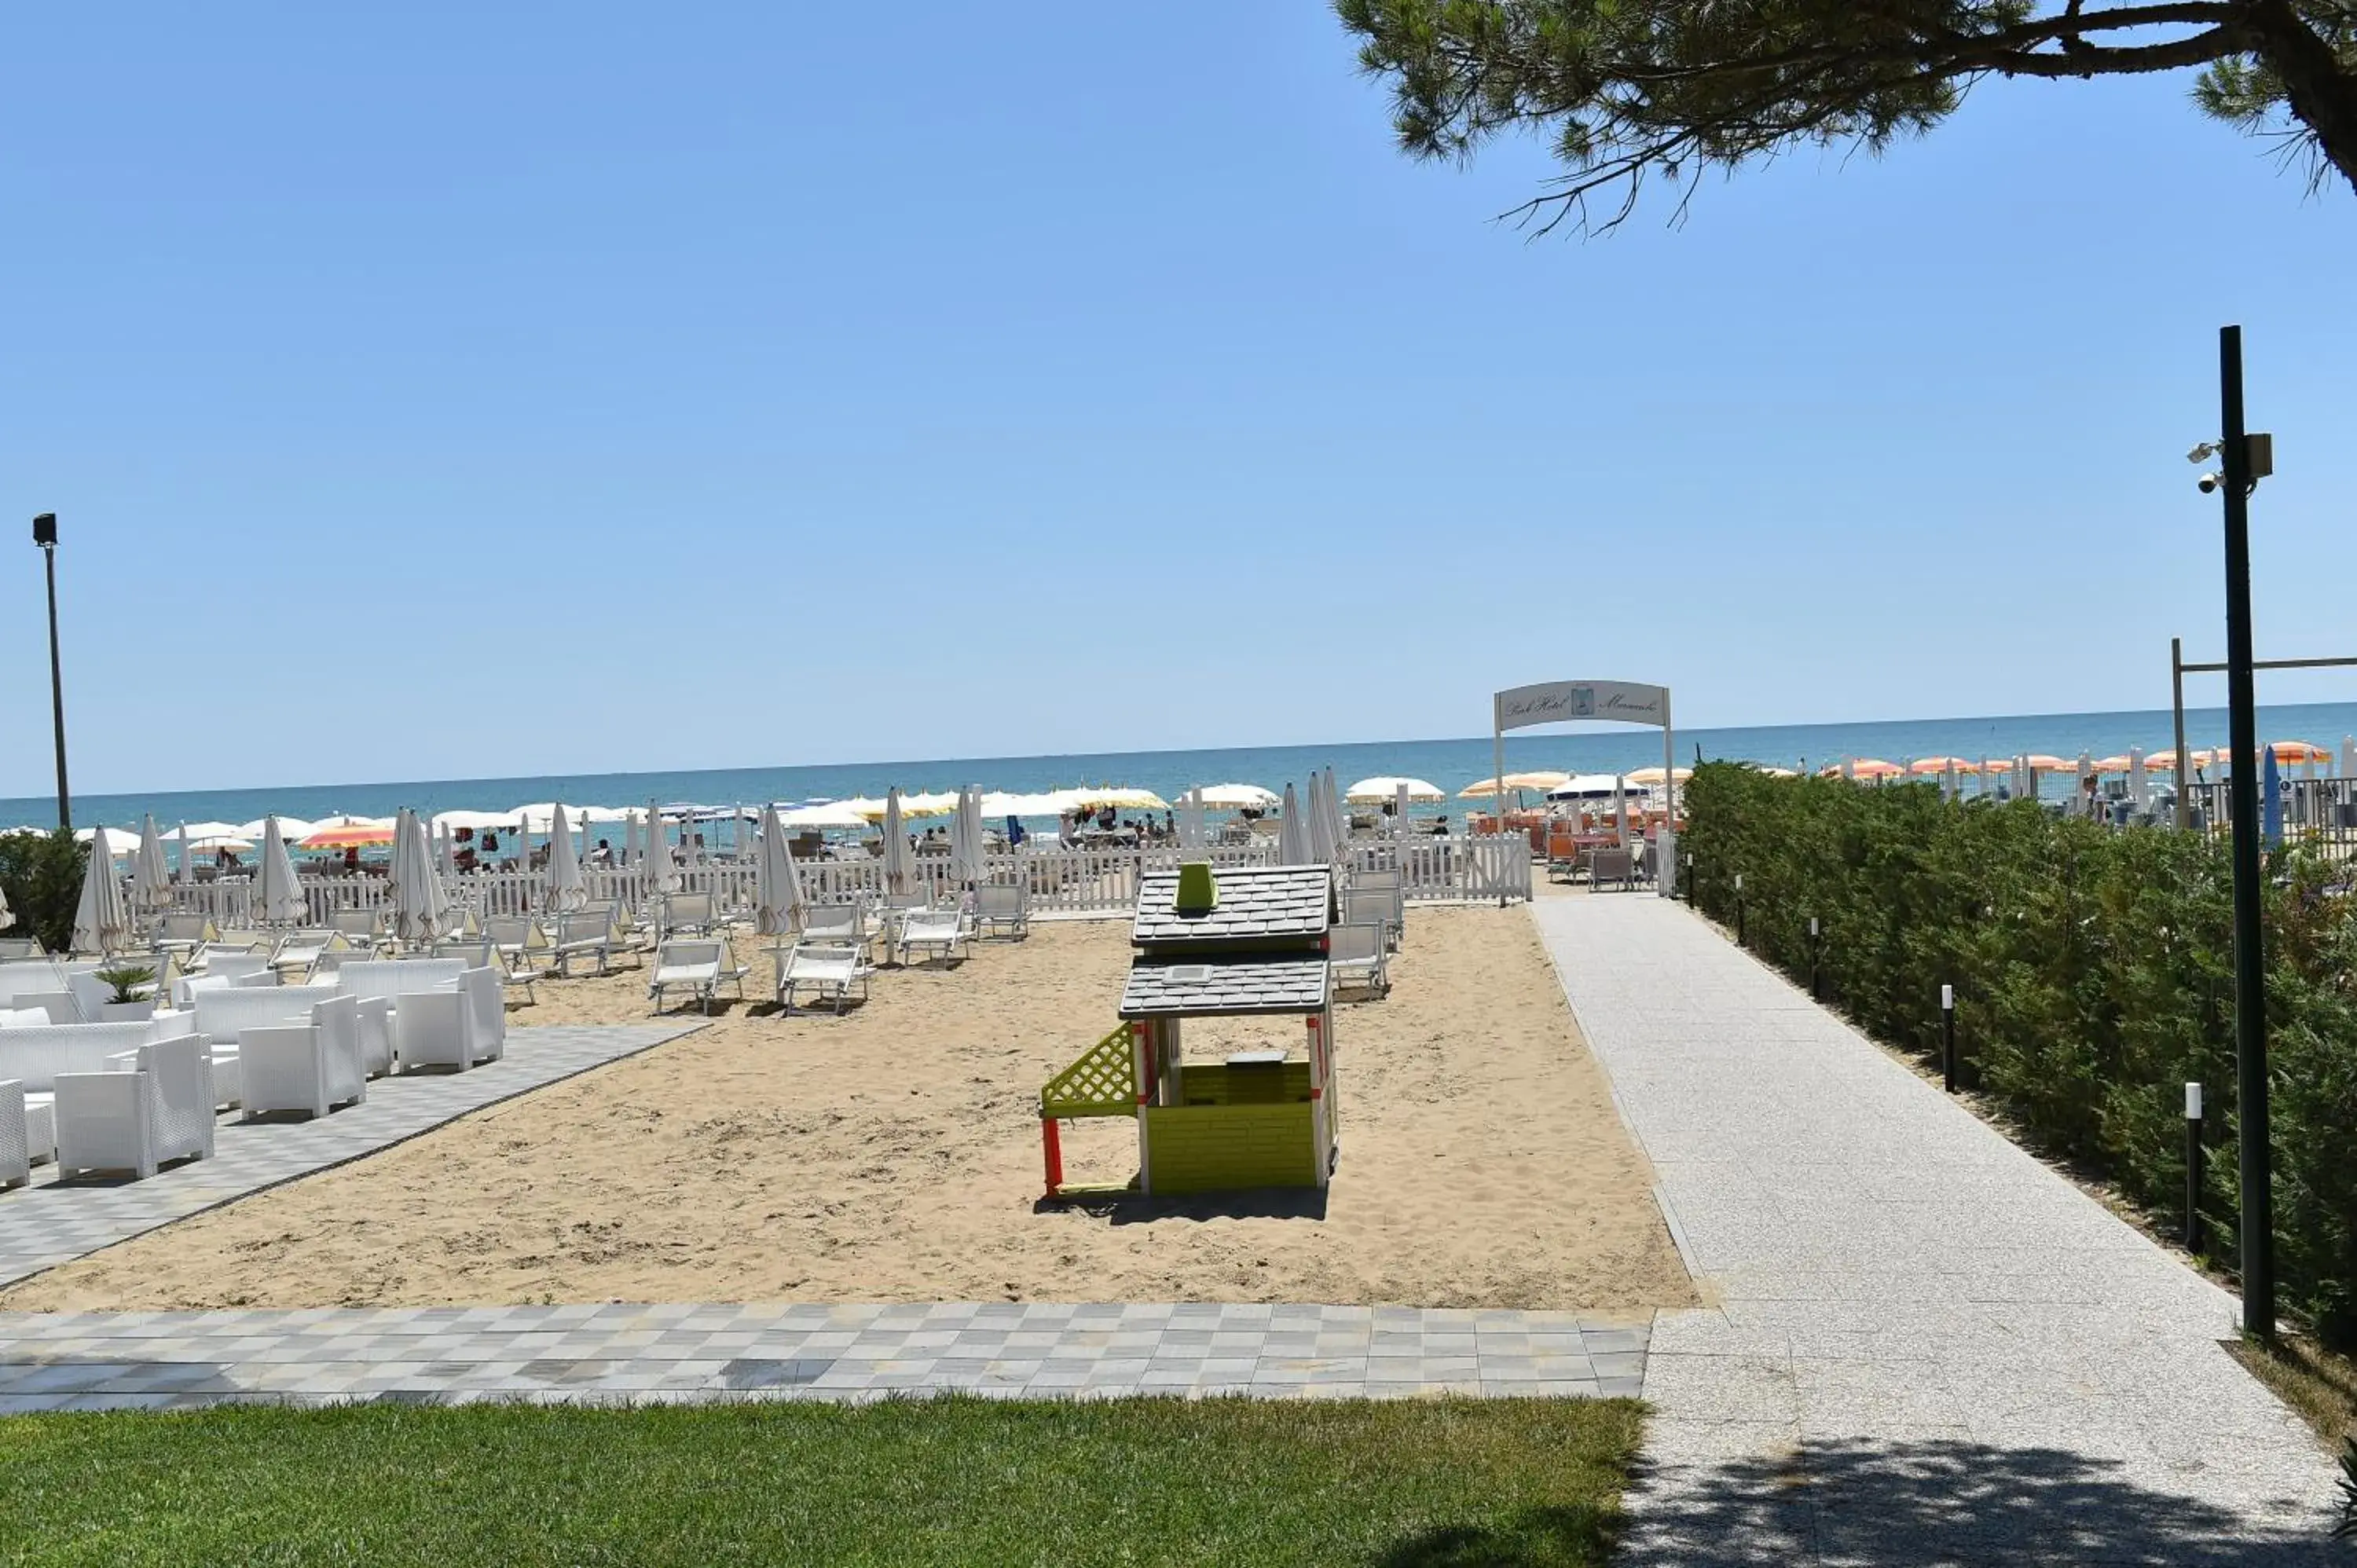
(1061,880)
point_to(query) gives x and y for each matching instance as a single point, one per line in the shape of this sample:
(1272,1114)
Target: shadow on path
(1943,1501)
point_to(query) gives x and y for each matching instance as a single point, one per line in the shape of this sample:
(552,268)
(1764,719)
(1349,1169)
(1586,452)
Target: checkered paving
(687,1353)
(51,1222)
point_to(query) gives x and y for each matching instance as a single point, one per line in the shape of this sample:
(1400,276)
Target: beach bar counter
(1246,943)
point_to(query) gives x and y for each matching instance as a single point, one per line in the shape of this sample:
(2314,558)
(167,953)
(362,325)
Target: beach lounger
(1002,905)
(939,931)
(1356,952)
(1372,906)
(589,934)
(21,948)
(688,914)
(182,932)
(846,925)
(1613,866)
(699,966)
(829,969)
(301,949)
(361,927)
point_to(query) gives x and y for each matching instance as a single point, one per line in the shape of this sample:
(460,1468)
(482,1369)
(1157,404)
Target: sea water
(1450,764)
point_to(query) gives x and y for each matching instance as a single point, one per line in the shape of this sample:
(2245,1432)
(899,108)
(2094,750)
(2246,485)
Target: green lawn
(967,1481)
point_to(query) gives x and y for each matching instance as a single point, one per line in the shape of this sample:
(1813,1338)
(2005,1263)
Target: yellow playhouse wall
(1214,1148)
(1215,1083)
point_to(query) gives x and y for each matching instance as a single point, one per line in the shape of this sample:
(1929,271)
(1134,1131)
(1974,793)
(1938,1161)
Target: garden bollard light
(2193,1167)
(1816,990)
(1948,1037)
(1738,911)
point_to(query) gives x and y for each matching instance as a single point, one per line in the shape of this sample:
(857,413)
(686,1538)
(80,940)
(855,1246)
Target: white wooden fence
(1061,880)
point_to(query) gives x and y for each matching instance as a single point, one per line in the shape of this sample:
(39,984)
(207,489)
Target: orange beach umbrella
(350,835)
(1922,767)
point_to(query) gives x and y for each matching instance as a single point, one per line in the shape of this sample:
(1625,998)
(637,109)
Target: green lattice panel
(1104,1082)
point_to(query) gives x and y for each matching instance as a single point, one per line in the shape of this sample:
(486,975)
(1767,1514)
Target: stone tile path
(1931,1348)
(550,1354)
(49,1223)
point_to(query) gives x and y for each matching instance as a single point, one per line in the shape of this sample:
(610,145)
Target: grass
(1394,1484)
(2316,1383)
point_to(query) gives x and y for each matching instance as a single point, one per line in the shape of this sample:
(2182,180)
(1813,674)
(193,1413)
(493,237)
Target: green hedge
(2093,971)
(41,875)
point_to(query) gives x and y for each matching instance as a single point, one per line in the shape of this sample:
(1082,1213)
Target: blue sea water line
(1450,764)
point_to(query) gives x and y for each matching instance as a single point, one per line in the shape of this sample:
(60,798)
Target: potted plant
(126,1006)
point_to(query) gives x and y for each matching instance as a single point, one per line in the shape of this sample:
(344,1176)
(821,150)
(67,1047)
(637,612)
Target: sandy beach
(894,1154)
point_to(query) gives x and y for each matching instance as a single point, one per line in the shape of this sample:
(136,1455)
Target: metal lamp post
(44,534)
(2244,459)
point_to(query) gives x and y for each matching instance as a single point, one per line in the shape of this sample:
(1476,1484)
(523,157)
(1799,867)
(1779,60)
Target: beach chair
(1562,854)
(301,949)
(1002,905)
(360,928)
(699,966)
(587,934)
(21,948)
(688,914)
(1372,906)
(939,931)
(829,969)
(1610,864)
(837,925)
(183,932)
(1356,951)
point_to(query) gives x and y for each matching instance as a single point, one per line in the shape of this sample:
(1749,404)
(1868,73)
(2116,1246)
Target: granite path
(1928,1346)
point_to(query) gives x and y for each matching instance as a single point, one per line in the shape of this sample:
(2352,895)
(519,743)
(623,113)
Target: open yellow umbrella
(1542,780)
(1647,778)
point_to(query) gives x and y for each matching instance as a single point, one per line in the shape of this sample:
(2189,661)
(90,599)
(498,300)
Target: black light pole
(2236,480)
(44,534)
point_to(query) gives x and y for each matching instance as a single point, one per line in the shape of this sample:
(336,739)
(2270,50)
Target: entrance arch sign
(1608,702)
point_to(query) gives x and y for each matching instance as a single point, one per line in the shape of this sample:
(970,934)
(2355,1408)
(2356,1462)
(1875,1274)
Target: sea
(1450,764)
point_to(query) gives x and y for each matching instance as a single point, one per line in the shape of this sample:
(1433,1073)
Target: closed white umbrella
(1399,811)
(186,872)
(966,839)
(1190,818)
(8,916)
(655,868)
(277,892)
(1621,809)
(1292,833)
(1338,826)
(151,883)
(99,921)
(2135,776)
(778,884)
(567,892)
(421,908)
(896,846)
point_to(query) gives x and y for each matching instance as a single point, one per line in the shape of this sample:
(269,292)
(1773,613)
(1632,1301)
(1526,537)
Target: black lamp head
(45,530)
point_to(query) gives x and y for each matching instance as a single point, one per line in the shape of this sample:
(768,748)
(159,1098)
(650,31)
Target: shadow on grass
(1957,1501)
(1549,1536)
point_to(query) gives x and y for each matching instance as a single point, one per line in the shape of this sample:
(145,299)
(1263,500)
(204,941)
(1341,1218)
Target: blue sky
(457,391)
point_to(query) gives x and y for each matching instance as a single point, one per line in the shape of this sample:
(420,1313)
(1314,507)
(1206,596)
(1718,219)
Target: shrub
(41,873)
(2094,977)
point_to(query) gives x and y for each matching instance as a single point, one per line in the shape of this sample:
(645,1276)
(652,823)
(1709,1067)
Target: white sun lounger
(699,966)
(1003,906)
(939,931)
(829,970)
(588,934)
(1356,951)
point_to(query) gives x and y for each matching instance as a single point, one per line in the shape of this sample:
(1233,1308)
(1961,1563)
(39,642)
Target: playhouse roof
(1260,905)
(1175,987)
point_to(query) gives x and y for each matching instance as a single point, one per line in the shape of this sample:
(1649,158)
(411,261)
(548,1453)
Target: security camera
(2202,452)
(2209,483)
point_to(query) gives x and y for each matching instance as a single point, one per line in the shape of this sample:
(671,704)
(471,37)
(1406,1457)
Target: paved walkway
(50,1222)
(1931,1348)
(552,1354)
